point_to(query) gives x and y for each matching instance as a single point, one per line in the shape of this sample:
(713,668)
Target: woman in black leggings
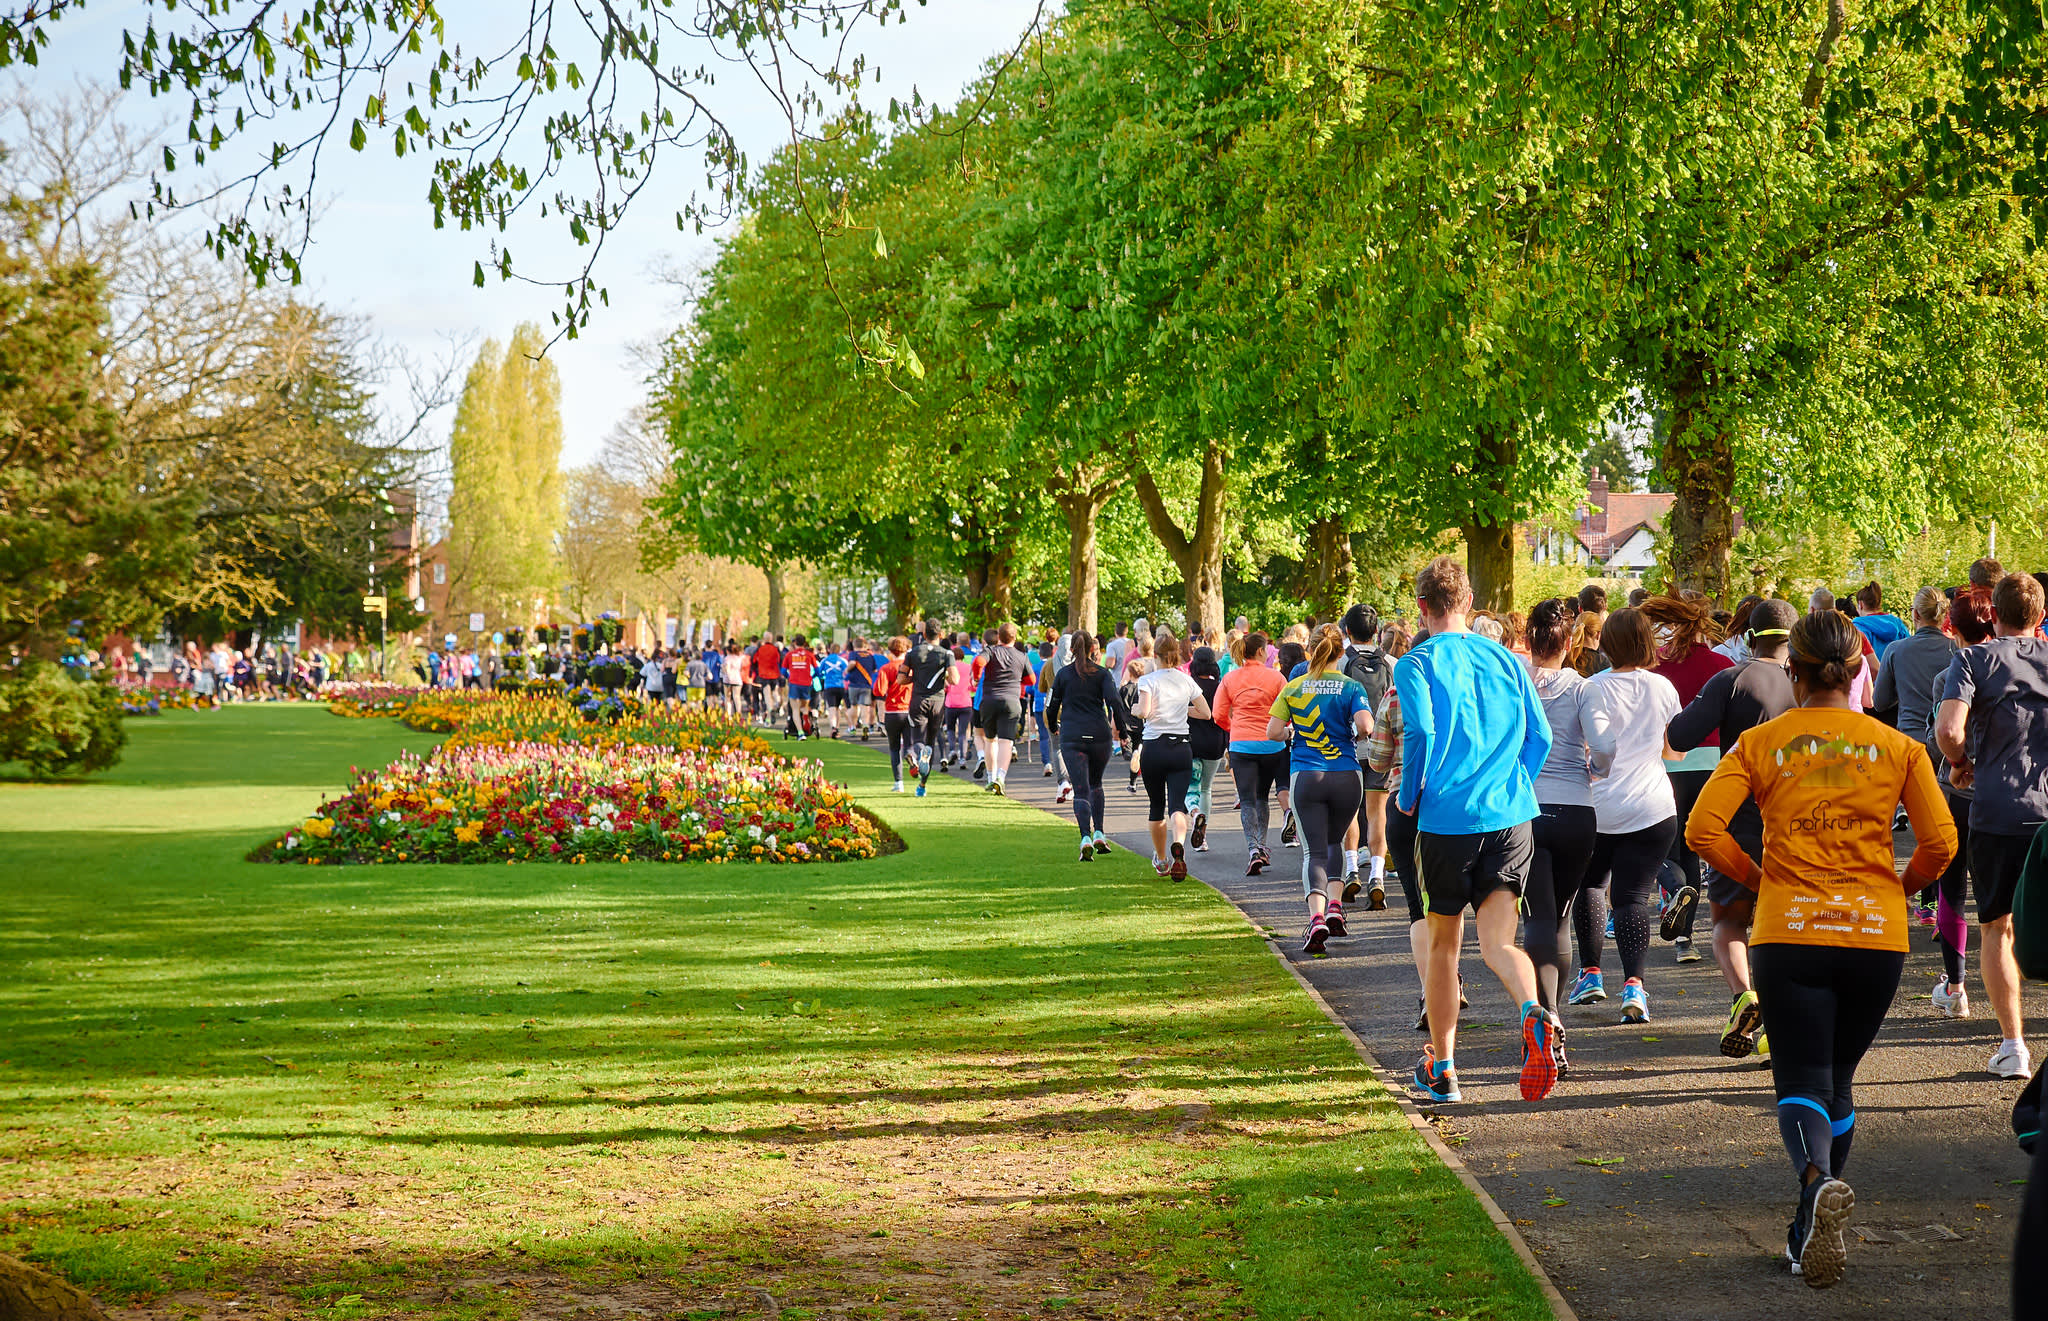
(1831,916)
(1085,711)
(1625,714)
(1168,700)
(1565,832)
(1325,712)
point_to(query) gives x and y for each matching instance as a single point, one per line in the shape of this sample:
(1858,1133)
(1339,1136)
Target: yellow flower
(470,833)
(319,827)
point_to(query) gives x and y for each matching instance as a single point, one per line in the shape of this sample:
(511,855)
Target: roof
(1627,512)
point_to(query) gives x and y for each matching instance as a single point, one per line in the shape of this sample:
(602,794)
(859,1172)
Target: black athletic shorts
(1461,871)
(1995,863)
(1000,717)
(834,697)
(1375,783)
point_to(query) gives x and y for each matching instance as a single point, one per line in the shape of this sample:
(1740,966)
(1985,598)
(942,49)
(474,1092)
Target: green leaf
(881,244)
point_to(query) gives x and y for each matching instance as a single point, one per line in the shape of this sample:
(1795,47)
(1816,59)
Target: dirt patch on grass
(965,1263)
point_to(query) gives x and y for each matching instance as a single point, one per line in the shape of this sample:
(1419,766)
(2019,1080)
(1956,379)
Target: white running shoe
(898,789)
(2017,1062)
(1955,1003)
(1065,794)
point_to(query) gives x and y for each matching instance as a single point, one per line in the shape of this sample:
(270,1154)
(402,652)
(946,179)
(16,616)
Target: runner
(1993,728)
(1167,700)
(1563,833)
(1906,692)
(1087,713)
(831,678)
(1383,755)
(1208,741)
(1971,620)
(1686,634)
(1831,920)
(1325,712)
(932,670)
(1627,710)
(1043,672)
(1291,662)
(1004,669)
(1367,663)
(768,680)
(1468,777)
(863,668)
(1881,629)
(1731,704)
(893,693)
(959,710)
(1244,703)
(799,664)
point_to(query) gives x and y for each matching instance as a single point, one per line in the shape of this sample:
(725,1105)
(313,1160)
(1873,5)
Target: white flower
(754,831)
(771,843)
(605,826)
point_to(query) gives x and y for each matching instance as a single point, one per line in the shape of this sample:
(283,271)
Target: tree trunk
(903,602)
(1199,557)
(1490,529)
(1328,576)
(1083,506)
(1699,462)
(27,1294)
(1490,563)
(778,610)
(990,577)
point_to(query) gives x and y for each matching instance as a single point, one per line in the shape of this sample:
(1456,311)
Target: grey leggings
(1255,774)
(1325,804)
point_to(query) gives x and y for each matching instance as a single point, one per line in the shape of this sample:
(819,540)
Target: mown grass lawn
(973,1079)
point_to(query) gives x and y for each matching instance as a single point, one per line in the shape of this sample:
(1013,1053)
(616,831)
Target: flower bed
(362,700)
(156,701)
(551,720)
(535,802)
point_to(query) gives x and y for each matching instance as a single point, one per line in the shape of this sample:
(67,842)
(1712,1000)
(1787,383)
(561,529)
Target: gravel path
(1652,1184)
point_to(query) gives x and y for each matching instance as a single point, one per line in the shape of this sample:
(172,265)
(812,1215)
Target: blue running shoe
(1431,1085)
(1588,988)
(1610,925)
(920,787)
(1635,1002)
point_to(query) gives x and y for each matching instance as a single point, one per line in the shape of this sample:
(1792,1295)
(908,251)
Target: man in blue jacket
(1473,739)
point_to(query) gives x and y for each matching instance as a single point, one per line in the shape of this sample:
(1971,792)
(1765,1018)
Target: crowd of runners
(1571,777)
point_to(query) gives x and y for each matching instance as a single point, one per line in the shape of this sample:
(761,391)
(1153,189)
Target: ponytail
(1327,647)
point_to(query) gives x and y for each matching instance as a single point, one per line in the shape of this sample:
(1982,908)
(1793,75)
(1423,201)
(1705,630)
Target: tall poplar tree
(507,499)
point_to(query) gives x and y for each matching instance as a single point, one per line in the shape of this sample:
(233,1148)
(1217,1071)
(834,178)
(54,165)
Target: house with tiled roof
(1614,532)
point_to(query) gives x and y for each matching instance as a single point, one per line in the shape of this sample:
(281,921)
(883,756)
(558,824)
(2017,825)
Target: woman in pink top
(1244,701)
(959,712)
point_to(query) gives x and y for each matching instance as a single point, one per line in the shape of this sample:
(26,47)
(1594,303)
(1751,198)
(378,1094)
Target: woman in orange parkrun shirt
(1831,920)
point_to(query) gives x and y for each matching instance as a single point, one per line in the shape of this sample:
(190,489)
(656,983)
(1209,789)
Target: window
(440,574)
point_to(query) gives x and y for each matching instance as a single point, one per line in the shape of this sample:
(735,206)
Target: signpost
(381,608)
(476,621)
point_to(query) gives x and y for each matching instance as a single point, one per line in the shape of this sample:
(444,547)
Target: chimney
(1596,499)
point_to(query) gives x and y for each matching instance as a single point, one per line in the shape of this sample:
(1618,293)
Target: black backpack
(1372,670)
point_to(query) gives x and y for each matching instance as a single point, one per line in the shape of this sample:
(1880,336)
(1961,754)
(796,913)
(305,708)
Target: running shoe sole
(1678,914)
(1102,846)
(1739,1041)
(1376,898)
(1318,936)
(1258,864)
(1335,921)
(1198,836)
(1825,1256)
(1351,888)
(1087,853)
(1178,869)
(1539,1055)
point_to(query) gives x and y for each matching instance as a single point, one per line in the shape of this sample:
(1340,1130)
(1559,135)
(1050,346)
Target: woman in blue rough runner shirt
(1326,712)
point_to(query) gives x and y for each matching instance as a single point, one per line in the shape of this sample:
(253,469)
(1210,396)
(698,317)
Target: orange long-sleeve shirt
(1826,781)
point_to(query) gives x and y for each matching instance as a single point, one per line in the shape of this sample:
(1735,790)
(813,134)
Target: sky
(375,253)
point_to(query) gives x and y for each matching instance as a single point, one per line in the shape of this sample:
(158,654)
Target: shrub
(54,725)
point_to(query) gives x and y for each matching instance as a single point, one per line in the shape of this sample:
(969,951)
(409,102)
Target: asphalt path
(1652,1184)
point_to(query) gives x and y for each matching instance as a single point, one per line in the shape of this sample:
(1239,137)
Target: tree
(86,533)
(505,504)
(609,88)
